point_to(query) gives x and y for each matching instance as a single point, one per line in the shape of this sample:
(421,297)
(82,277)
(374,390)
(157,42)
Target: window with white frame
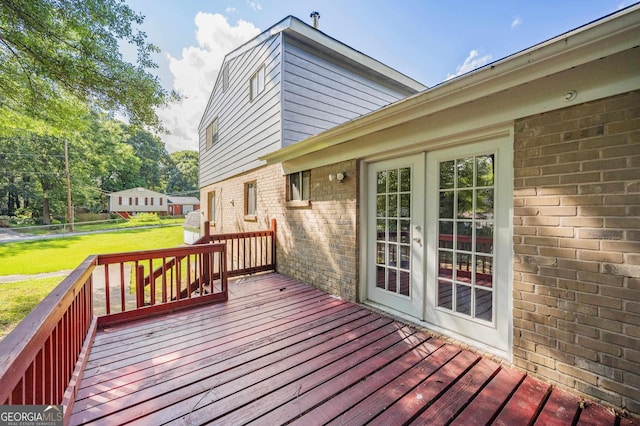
(212,207)
(299,186)
(250,198)
(257,83)
(212,133)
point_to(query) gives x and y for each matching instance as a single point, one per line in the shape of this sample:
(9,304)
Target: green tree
(184,174)
(155,162)
(59,56)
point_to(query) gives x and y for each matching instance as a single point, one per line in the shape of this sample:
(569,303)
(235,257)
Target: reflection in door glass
(466,203)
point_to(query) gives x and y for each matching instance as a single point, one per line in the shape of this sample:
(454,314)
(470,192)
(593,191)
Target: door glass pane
(393,255)
(446,204)
(445,234)
(392,229)
(380,253)
(405,205)
(447,174)
(463,299)
(405,232)
(445,264)
(392,284)
(484,304)
(466,236)
(405,257)
(381,205)
(393,180)
(405,282)
(382,182)
(405,179)
(381,280)
(393,206)
(381,230)
(445,294)
(484,170)
(484,237)
(465,204)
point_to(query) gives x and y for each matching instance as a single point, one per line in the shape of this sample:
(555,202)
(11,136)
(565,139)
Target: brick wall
(317,244)
(577,248)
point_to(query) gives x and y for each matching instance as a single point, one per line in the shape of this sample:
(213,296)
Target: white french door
(440,242)
(395,209)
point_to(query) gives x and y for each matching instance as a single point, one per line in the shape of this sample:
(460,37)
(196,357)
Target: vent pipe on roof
(316,19)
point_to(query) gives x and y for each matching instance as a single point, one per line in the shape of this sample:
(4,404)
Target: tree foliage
(106,156)
(60,57)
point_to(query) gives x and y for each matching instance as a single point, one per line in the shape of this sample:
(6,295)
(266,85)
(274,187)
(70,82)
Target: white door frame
(501,137)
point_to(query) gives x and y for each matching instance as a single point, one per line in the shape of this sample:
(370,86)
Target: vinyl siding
(247,129)
(319,95)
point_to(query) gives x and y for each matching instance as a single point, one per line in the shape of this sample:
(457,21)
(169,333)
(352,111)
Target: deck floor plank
(279,351)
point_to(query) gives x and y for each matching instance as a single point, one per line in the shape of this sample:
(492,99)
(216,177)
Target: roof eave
(593,41)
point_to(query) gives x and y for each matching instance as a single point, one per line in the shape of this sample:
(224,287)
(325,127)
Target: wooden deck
(282,352)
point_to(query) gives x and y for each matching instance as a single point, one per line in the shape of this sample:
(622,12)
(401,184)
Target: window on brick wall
(299,186)
(250,198)
(212,207)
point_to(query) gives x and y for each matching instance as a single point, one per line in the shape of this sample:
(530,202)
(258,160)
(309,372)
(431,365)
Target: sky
(428,40)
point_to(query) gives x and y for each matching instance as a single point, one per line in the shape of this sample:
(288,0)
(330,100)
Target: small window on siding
(212,207)
(160,201)
(130,201)
(225,77)
(299,186)
(212,133)
(119,201)
(250,198)
(257,83)
(151,200)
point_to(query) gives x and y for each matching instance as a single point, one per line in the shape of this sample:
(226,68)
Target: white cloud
(472,62)
(194,75)
(516,22)
(231,10)
(254,5)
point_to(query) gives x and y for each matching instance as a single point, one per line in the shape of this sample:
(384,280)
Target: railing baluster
(107,293)
(122,286)
(164,280)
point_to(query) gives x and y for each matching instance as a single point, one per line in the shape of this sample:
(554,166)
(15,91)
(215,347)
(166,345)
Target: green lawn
(20,297)
(50,255)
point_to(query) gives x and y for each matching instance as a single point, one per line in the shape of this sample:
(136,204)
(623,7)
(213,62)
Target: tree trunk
(46,215)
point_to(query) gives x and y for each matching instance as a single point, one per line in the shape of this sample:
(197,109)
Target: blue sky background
(428,41)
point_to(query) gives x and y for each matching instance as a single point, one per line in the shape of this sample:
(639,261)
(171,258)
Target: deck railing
(42,359)
(247,252)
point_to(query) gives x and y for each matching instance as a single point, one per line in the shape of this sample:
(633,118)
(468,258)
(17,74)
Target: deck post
(274,228)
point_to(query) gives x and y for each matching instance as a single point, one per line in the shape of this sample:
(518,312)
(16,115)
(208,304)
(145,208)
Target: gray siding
(246,129)
(319,95)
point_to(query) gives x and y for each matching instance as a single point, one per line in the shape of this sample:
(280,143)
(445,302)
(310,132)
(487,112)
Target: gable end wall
(577,248)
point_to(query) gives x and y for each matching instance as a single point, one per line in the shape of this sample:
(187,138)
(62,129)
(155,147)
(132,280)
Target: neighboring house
(129,202)
(500,208)
(179,206)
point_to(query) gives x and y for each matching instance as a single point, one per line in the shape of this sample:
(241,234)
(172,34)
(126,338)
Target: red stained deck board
(245,387)
(561,409)
(201,362)
(331,390)
(211,364)
(596,415)
(448,405)
(229,381)
(293,385)
(362,402)
(183,333)
(524,404)
(210,337)
(489,402)
(427,391)
(279,351)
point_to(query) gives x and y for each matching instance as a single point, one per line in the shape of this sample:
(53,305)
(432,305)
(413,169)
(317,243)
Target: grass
(18,298)
(142,220)
(50,255)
